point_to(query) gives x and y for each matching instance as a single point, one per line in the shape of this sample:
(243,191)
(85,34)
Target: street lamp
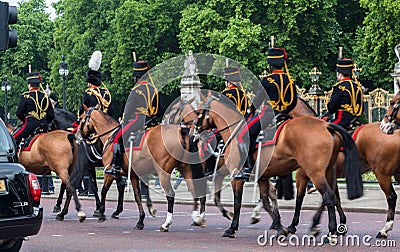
(315,90)
(5,86)
(63,72)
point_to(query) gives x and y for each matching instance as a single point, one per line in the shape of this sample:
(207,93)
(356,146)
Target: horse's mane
(307,106)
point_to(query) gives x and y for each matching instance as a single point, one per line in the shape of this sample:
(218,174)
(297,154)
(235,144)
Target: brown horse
(305,142)
(163,157)
(55,151)
(376,151)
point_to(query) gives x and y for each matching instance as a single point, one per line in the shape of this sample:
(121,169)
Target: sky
(48,3)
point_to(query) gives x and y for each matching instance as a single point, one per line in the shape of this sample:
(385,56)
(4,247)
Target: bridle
(93,137)
(392,117)
(205,113)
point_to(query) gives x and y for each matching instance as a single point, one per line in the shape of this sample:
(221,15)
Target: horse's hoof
(229,233)
(331,239)
(282,232)
(228,215)
(139,226)
(291,229)
(255,220)
(163,229)
(115,216)
(273,227)
(201,223)
(341,229)
(56,209)
(59,217)
(315,231)
(96,213)
(381,236)
(82,218)
(153,212)
(101,218)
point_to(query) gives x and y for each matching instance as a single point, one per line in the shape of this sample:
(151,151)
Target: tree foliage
(310,30)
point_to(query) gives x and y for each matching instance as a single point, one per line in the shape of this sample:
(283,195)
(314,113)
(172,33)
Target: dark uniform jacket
(97,95)
(281,91)
(238,97)
(143,100)
(346,102)
(34,109)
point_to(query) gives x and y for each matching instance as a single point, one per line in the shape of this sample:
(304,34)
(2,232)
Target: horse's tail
(352,163)
(74,148)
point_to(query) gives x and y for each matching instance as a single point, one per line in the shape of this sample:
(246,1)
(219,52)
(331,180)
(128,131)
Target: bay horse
(376,152)
(55,151)
(163,157)
(305,142)
(184,113)
(89,157)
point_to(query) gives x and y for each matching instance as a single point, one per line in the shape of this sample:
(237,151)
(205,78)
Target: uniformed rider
(34,108)
(282,94)
(346,100)
(141,111)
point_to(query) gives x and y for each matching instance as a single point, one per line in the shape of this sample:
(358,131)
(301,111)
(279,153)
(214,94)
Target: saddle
(26,143)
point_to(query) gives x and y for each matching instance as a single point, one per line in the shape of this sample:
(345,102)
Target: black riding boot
(115,170)
(245,173)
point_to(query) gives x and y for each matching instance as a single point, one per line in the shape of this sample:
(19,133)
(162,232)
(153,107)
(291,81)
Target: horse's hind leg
(57,207)
(64,211)
(108,179)
(95,190)
(301,184)
(391,198)
(121,190)
(135,181)
(342,228)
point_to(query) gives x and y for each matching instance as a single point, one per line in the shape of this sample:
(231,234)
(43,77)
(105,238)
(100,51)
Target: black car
(20,212)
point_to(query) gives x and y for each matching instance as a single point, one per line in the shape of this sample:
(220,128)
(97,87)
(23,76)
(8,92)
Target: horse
(54,151)
(88,158)
(164,158)
(314,149)
(376,152)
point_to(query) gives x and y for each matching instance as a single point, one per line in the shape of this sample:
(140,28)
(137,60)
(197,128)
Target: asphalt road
(119,234)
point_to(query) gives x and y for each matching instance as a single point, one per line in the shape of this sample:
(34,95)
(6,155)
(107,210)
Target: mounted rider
(346,100)
(34,109)
(96,93)
(234,90)
(282,94)
(141,112)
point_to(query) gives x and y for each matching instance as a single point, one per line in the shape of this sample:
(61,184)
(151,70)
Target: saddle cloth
(138,140)
(26,144)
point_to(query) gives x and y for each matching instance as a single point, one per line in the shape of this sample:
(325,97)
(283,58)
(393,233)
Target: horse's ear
(85,108)
(203,97)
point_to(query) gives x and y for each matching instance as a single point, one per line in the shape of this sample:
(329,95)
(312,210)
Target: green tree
(376,40)
(34,29)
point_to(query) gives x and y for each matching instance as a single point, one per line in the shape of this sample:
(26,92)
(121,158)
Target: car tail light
(34,187)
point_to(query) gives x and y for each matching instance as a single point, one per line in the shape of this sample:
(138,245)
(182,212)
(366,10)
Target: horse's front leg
(108,179)
(121,191)
(217,196)
(135,181)
(170,194)
(237,187)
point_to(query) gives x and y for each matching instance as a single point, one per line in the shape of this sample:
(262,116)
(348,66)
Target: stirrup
(115,171)
(244,174)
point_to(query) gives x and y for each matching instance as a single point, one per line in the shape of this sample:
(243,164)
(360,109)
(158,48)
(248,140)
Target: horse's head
(182,112)
(392,118)
(85,128)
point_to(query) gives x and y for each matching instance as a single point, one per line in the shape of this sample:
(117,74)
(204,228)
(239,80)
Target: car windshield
(6,143)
